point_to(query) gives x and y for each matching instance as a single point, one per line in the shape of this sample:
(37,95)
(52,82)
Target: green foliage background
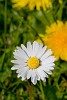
(20,26)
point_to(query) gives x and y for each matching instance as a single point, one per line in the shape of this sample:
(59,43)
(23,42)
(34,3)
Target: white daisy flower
(33,62)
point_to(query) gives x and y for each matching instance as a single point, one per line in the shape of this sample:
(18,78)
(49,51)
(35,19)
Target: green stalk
(45,16)
(42,91)
(5,18)
(36,32)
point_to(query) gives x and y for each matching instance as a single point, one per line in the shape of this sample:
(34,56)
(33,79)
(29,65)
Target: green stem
(48,21)
(30,91)
(36,32)
(5,18)
(42,91)
(15,83)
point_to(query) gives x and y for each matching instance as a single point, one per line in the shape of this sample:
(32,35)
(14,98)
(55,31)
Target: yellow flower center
(33,62)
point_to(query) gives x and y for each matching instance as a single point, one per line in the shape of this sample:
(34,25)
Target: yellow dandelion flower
(20,3)
(57,39)
(31,4)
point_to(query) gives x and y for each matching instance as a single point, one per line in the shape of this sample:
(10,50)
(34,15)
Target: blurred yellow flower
(31,4)
(60,1)
(56,39)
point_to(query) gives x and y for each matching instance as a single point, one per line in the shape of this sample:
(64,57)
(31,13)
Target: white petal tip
(18,75)
(12,61)
(34,83)
(13,68)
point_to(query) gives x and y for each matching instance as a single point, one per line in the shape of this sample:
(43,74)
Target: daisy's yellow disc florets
(33,63)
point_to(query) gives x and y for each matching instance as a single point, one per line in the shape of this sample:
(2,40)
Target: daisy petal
(20,58)
(29,73)
(25,49)
(49,72)
(38,76)
(46,69)
(20,53)
(18,75)
(47,65)
(15,67)
(24,77)
(29,48)
(46,54)
(33,77)
(48,60)
(41,51)
(19,62)
(41,74)
(35,48)
(22,70)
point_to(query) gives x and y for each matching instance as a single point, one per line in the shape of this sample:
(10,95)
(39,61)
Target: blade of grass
(42,91)
(5,18)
